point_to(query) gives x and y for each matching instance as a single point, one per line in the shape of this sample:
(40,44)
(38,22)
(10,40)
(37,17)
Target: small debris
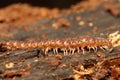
(18,72)
(9,65)
(43,35)
(36,60)
(78,18)
(62,22)
(90,24)
(95,29)
(81,23)
(100,54)
(54,62)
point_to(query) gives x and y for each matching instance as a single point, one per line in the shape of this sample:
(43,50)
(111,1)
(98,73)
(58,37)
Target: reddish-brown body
(67,45)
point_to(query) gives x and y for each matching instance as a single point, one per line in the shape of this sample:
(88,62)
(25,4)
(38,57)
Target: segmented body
(67,45)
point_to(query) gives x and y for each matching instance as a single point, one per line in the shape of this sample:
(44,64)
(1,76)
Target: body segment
(67,45)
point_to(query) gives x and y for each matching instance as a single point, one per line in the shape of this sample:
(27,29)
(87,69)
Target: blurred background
(44,19)
(41,3)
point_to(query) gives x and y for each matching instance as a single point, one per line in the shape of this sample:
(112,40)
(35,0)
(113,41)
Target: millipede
(65,46)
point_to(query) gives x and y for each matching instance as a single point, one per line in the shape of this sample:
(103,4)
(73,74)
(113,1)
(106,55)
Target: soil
(36,20)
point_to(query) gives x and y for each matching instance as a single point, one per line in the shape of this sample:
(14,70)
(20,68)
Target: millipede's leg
(110,50)
(95,49)
(46,51)
(106,48)
(102,48)
(56,49)
(63,51)
(66,52)
(89,48)
(70,51)
(43,50)
(73,51)
(83,50)
(78,49)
